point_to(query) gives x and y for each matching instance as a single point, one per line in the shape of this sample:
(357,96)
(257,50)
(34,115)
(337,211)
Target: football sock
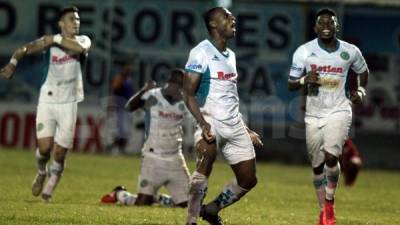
(319,181)
(126,198)
(197,193)
(165,200)
(56,171)
(41,161)
(332,176)
(231,193)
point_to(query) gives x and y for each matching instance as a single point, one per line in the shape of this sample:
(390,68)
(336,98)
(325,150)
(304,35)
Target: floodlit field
(284,195)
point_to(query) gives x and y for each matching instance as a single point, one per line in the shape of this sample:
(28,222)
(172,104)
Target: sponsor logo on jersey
(65,59)
(296,68)
(326,69)
(194,66)
(226,76)
(170,115)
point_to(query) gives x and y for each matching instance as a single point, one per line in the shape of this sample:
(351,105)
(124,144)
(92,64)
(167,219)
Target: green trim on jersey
(347,86)
(204,87)
(46,66)
(329,50)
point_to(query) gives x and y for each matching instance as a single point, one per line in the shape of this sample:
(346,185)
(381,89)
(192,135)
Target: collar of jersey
(327,49)
(224,54)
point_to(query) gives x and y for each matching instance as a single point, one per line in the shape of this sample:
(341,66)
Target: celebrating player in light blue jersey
(59,95)
(210,93)
(326,61)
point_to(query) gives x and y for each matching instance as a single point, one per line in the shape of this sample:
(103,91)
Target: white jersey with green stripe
(163,123)
(63,74)
(332,67)
(217,93)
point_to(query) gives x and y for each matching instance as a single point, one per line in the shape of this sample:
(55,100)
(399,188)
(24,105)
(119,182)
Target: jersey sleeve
(359,65)
(147,95)
(197,61)
(298,66)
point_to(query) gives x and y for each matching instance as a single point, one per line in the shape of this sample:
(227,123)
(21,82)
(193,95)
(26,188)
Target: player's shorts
(326,134)
(58,121)
(233,140)
(169,170)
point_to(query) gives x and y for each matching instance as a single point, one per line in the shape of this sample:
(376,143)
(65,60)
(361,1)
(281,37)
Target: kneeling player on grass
(162,162)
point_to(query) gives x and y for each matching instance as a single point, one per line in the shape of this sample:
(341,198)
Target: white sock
(197,193)
(126,198)
(41,161)
(332,177)
(319,182)
(165,200)
(56,171)
(231,193)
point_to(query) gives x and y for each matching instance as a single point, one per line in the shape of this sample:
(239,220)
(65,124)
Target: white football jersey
(333,68)
(63,74)
(217,93)
(163,122)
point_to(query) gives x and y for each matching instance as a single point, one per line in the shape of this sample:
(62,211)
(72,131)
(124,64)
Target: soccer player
(59,95)
(162,162)
(210,93)
(325,62)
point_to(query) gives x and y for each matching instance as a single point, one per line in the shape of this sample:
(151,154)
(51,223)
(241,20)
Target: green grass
(283,196)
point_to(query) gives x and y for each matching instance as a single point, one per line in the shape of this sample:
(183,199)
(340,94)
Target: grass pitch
(283,196)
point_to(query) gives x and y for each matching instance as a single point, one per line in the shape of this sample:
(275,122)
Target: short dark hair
(326,11)
(207,16)
(176,76)
(67,10)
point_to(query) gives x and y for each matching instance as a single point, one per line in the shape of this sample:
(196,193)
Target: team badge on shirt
(345,55)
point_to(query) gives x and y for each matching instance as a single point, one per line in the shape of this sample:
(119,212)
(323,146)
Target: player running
(326,61)
(64,55)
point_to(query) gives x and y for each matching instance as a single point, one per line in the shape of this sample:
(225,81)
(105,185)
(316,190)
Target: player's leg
(66,115)
(206,155)
(45,130)
(334,134)
(150,179)
(317,159)
(240,154)
(177,185)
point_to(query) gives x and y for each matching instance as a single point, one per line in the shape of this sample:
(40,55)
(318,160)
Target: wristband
(302,80)
(361,91)
(57,39)
(14,61)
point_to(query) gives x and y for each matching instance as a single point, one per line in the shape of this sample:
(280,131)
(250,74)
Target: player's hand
(312,77)
(7,71)
(206,133)
(149,85)
(357,97)
(255,139)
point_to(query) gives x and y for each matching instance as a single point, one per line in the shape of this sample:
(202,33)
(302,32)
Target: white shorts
(233,140)
(58,121)
(326,134)
(164,170)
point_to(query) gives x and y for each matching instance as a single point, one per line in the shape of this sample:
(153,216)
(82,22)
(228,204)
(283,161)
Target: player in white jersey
(163,163)
(326,61)
(210,93)
(59,95)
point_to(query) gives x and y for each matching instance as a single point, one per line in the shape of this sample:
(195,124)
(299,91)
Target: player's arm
(136,101)
(33,47)
(191,82)
(359,96)
(71,44)
(312,77)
